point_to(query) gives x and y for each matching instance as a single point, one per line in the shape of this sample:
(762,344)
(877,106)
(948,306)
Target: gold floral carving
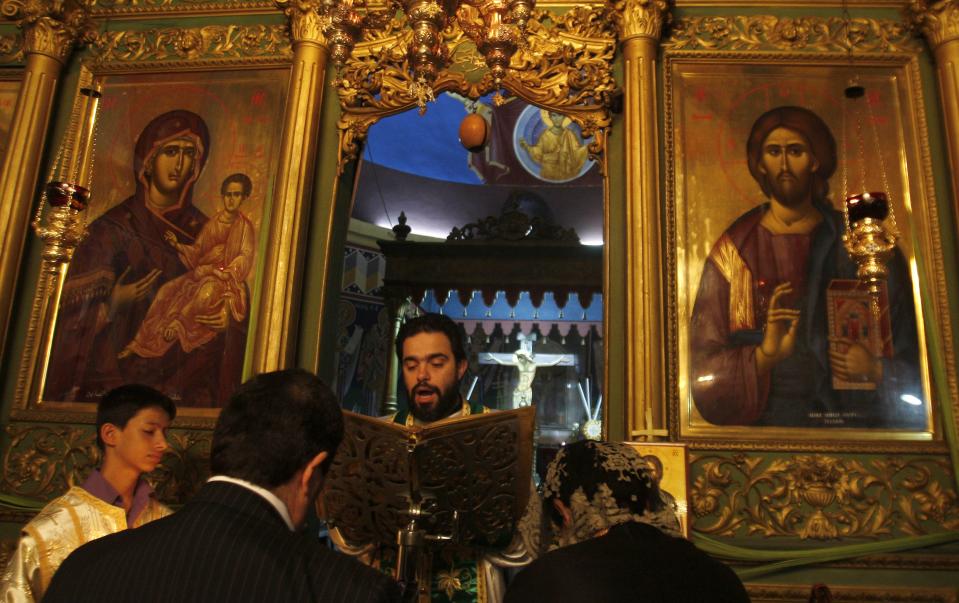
(796,34)
(198,45)
(822,497)
(141,7)
(51,28)
(938,21)
(308,23)
(565,66)
(44,461)
(641,18)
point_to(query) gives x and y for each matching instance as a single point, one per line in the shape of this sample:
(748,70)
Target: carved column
(275,329)
(939,23)
(49,33)
(640,24)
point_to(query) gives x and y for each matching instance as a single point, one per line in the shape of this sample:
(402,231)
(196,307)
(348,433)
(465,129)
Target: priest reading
(433,361)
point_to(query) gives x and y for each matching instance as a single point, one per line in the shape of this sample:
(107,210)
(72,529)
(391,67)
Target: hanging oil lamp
(871,232)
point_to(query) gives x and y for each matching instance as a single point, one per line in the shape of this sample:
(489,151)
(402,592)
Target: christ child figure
(193,308)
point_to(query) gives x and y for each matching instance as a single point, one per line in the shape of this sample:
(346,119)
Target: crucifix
(527,362)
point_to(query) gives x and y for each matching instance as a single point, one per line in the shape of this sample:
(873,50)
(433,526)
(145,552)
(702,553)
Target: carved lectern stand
(463,480)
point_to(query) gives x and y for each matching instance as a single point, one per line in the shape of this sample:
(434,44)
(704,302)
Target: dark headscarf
(822,145)
(161,130)
(605,484)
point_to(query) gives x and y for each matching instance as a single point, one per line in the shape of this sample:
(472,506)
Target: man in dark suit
(237,540)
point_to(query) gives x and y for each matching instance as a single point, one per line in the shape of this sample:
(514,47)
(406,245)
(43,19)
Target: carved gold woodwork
(199,45)
(939,23)
(109,8)
(43,461)
(275,326)
(641,18)
(51,28)
(565,67)
(639,24)
(822,497)
(789,34)
(306,19)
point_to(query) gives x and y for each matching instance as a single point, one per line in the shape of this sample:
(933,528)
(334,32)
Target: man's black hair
(432,323)
(241,179)
(121,404)
(273,425)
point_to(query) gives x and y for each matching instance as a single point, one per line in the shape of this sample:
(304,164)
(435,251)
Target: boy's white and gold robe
(65,524)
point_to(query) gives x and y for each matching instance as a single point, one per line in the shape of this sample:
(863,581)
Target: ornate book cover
(853,320)
(479,466)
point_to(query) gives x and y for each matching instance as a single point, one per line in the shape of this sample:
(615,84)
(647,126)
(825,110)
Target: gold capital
(51,28)
(938,21)
(308,21)
(641,18)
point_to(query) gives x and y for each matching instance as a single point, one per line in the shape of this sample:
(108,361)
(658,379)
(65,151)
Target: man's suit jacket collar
(240,500)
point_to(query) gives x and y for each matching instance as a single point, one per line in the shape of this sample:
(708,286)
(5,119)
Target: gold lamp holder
(871,231)
(59,221)
(62,228)
(869,243)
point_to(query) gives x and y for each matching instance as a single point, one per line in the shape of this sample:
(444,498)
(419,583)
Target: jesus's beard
(790,189)
(447,402)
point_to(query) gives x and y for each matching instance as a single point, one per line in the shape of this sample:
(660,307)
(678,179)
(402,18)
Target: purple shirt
(101,488)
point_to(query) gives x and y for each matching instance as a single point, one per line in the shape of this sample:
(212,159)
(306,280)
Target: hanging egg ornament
(473,131)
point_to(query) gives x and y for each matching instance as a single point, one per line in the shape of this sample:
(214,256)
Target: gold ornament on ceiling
(565,66)
(496,27)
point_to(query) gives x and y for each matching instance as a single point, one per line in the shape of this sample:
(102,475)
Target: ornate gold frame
(781,42)
(565,67)
(162,50)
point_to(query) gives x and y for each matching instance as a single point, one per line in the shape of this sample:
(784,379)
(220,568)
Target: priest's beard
(447,403)
(790,189)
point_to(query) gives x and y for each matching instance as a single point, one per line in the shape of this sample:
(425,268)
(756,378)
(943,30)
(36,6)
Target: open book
(479,466)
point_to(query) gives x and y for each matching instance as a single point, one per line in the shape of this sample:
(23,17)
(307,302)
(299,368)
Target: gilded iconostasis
(799,402)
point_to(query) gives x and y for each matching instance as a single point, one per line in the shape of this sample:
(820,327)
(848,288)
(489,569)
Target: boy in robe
(132,421)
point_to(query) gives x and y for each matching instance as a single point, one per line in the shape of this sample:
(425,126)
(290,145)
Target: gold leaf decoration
(938,21)
(142,7)
(44,461)
(794,34)
(822,497)
(197,45)
(51,28)
(565,66)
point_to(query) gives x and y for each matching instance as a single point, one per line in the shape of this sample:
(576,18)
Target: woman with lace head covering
(616,537)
